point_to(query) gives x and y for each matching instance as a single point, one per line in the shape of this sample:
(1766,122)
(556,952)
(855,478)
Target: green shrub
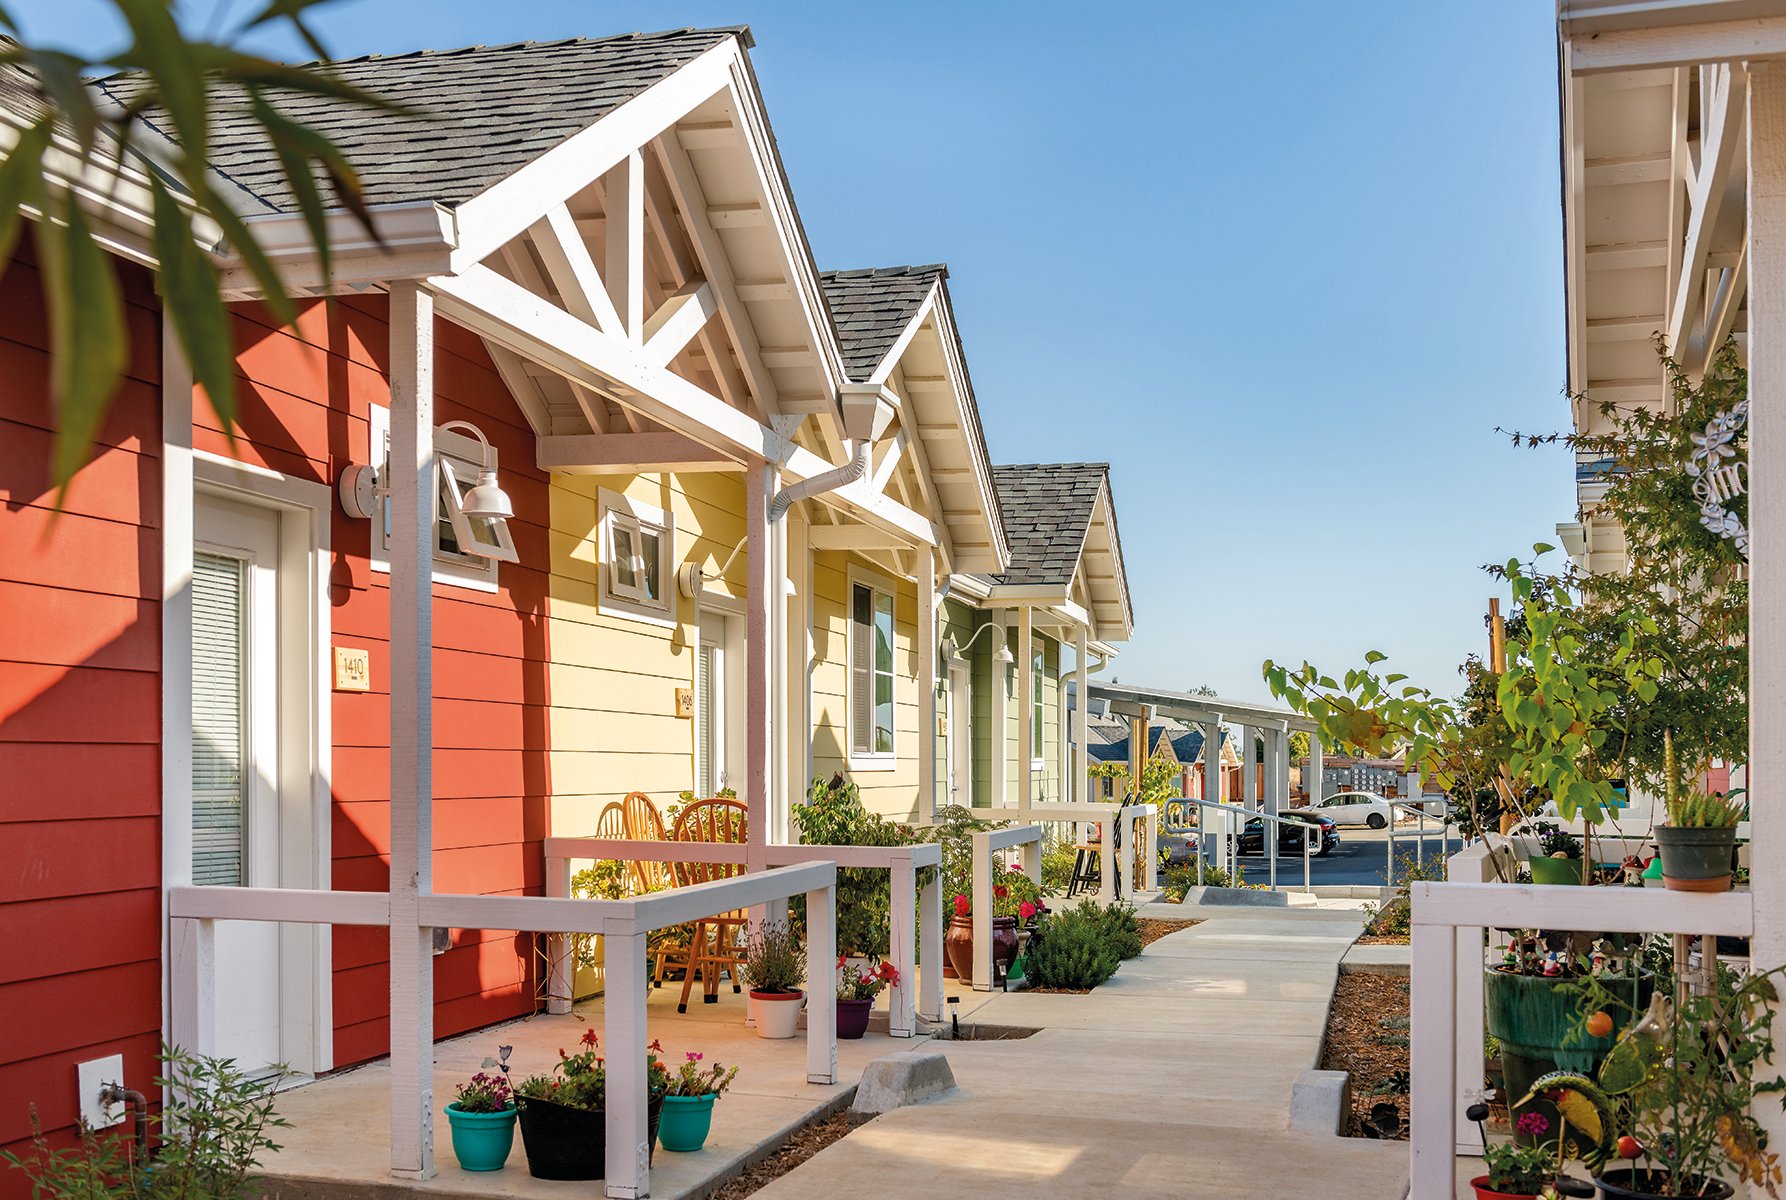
(1072,950)
(833,815)
(1176,881)
(1122,930)
(1057,866)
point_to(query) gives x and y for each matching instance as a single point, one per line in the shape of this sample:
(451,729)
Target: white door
(961,735)
(236,815)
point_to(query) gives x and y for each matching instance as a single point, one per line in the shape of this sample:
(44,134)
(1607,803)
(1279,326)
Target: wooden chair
(643,823)
(716,944)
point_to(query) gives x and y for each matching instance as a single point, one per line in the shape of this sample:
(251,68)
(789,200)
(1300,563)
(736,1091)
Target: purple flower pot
(852,1017)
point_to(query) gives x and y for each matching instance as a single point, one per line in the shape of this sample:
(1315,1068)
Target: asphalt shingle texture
(872,308)
(490,111)
(1047,510)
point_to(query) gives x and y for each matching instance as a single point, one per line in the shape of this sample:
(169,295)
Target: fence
(624,924)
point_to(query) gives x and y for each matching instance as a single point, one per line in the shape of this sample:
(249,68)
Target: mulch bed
(1372,939)
(801,1145)
(1152,930)
(1367,1033)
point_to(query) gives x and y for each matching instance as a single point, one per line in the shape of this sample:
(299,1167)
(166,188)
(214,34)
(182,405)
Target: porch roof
(1057,516)
(482,112)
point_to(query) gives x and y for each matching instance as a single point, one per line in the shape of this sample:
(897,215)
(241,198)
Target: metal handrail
(1419,835)
(1309,833)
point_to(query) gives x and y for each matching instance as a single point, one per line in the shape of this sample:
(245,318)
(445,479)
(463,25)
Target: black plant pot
(1630,1183)
(1696,859)
(563,1142)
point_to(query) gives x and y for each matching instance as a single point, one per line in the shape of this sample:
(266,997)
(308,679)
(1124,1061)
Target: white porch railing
(1231,841)
(624,924)
(908,944)
(1028,841)
(1141,874)
(1449,923)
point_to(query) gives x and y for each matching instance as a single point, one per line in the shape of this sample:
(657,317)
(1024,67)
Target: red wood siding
(305,410)
(80,714)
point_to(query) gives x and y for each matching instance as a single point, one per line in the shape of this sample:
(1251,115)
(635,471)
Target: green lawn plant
(1520,1170)
(209,1136)
(1072,950)
(775,960)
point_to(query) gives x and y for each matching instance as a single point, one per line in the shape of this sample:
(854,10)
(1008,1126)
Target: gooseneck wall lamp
(952,652)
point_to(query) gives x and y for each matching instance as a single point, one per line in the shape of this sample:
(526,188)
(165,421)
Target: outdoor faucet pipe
(137,1105)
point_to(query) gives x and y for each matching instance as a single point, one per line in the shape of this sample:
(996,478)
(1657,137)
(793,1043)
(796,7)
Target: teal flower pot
(481,1141)
(685,1123)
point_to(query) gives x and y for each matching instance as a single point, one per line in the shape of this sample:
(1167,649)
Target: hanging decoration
(1720,472)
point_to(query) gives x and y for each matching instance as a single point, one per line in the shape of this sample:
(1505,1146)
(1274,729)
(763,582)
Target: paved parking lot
(1360,860)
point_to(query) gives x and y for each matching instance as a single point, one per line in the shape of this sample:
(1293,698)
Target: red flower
(1027,909)
(888,973)
(589,1038)
(962,906)
(1001,891)
(841,960)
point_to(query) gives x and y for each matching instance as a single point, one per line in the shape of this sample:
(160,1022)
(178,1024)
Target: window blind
(219,718)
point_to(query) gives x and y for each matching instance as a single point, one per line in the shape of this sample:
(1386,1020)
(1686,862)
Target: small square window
(637,553)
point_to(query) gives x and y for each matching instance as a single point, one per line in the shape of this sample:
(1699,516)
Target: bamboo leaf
(192,301)
(88,337)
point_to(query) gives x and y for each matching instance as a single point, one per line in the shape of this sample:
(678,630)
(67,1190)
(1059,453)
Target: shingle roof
(491,110)
(872,308)
(1047,510)
(1187,745)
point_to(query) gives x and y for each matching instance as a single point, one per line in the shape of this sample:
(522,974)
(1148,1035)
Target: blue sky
(1286,266)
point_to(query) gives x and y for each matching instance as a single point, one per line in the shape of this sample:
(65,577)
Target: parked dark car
(1289,837)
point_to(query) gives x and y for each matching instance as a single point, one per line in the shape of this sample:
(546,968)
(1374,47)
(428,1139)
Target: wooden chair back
(611,825)
(645,824)
(716,821)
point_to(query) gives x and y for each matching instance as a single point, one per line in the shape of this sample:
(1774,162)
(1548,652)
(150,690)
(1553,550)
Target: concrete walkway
(1172,1080)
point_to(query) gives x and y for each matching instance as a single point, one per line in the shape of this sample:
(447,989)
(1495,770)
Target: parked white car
(1358,808)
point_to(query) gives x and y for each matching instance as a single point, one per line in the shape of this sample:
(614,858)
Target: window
(871,672)
(458,459)
(638,545)
(1035,711)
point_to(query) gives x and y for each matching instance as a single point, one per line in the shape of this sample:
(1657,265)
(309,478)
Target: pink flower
(693,1056)
(1534,1123)
(962,906)
(1027,909)
(1018,867)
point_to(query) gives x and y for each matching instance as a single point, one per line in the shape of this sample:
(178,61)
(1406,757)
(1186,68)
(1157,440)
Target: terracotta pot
(777,1014)
(959,946)
(1484,1192)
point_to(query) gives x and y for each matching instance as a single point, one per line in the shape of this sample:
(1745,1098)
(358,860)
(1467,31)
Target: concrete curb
(896,1080)
(1378,960)
(1320,1101)
(1212,897)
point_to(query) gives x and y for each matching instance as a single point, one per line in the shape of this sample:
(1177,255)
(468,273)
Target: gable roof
(490,110)
(1187,745)
(872,308)
(1047,511)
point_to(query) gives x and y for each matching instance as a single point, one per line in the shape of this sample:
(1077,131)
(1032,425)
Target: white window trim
(858,577)
(463,456)
(609,601)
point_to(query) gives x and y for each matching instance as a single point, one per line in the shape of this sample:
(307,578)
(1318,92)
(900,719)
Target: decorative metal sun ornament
(1720,473)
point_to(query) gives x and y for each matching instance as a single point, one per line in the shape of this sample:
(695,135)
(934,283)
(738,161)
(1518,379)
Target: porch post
(1767,518)
(192,985)
(902,948)
(1209,822)
(1026,691)
(1080,792)
(1277,788)
(412,506)
(1000,732)
(623,1037)
(1249,770)
(927,740)
(930,948)
(1312,782)
(760,486)
(821,1002)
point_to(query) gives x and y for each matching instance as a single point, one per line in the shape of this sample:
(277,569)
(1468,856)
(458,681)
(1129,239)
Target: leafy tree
(178,86)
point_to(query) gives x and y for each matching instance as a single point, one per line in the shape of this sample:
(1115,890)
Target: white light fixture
(954,653)
(479,514)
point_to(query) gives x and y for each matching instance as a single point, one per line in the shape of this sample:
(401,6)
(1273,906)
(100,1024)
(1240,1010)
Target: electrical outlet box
(92,1076)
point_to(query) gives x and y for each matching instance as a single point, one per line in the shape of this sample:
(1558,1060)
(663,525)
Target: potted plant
(688,1104)
(857,988)
(774,968)
(1698,843)
(1559,858)
(1686,1076)
(1516,1172)
(1015,897)
(482,1117)
(563,1116)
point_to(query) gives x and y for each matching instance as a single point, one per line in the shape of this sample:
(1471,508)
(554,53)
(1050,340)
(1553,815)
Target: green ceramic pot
(1540,1030)
(685,1123)
(1556,870)
(481,1141)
